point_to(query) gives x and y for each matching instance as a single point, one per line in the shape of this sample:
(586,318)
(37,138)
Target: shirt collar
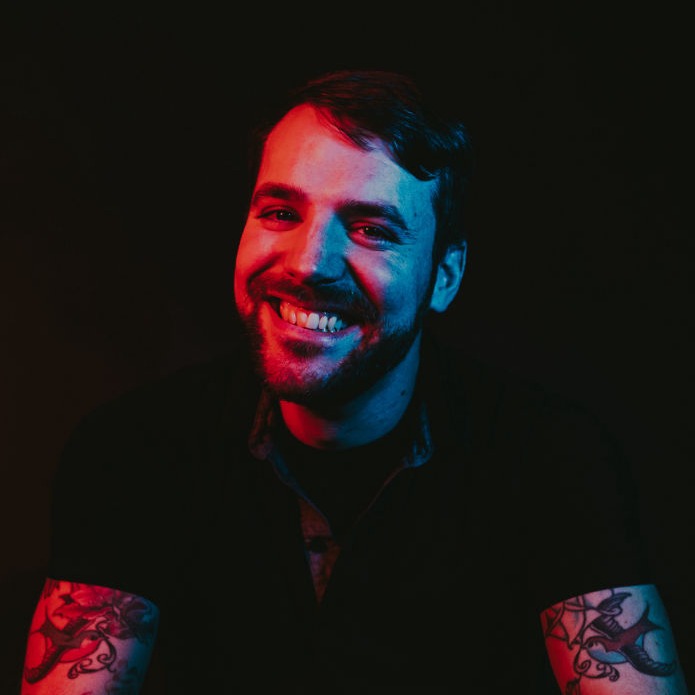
(263,435)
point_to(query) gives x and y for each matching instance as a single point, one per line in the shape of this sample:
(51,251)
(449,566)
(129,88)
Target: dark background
(122,167)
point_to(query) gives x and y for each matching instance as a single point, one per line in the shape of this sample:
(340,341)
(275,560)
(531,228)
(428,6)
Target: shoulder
(537,435)
(188,396)
(166,416)
(496,402)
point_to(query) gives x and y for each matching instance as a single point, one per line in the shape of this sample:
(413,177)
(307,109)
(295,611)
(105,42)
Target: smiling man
(343,504)
(334,276)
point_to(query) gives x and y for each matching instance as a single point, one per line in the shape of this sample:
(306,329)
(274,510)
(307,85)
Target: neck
(362,420)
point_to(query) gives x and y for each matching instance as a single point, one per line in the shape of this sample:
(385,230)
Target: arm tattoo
(82,628)
(600,641)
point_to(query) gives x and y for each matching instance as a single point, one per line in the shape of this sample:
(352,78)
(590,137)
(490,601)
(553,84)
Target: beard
(293,378)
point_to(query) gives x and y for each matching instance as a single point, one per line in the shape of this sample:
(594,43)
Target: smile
(322,321)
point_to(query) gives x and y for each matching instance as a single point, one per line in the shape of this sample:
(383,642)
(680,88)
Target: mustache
(347,301)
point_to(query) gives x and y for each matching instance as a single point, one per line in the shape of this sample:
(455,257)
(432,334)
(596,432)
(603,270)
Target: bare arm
(616,642)
(88,639)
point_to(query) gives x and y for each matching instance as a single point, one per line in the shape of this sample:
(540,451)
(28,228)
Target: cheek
(250,256)
(392,284)
(245,250)
(373,274)
(242,267)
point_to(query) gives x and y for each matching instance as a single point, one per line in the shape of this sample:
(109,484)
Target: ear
(449,276)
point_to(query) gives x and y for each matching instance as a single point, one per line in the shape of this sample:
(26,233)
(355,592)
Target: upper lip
(311,305)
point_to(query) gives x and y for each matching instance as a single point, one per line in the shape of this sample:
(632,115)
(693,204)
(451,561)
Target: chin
(309,380)
(353,377)
(306,386)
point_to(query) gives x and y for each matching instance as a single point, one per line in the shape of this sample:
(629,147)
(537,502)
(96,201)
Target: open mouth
(322,321)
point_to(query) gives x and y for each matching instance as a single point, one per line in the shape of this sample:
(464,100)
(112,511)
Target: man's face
(334,265)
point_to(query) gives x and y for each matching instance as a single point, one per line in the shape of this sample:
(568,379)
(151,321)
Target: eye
(372,234)
(278,218)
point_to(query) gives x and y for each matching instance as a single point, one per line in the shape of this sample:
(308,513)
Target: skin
(613,642)
(87,639)
(333,228)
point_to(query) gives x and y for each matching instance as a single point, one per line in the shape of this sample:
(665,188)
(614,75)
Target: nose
(315,252)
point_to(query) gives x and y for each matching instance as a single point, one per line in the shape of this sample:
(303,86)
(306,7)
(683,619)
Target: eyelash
(267,214)
(382,234)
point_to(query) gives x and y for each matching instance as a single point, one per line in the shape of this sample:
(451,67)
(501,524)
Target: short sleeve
(584,525)
(106,507)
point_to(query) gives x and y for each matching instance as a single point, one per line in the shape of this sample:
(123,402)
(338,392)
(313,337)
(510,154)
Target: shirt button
(317,545)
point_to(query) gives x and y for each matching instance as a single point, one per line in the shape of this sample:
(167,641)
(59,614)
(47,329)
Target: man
(349,506)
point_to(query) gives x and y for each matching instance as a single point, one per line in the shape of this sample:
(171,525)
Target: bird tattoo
(628,642)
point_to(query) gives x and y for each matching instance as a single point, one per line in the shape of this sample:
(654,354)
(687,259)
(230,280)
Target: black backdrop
(122,167)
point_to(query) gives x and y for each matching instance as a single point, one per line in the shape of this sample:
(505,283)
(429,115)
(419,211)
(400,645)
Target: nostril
(313,271)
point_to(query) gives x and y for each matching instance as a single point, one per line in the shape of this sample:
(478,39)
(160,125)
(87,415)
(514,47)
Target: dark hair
(420,135)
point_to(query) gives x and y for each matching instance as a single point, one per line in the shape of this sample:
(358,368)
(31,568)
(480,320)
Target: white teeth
(310,319)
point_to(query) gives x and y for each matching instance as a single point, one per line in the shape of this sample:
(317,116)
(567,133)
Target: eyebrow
(280,191)
(351,207)
(385,211)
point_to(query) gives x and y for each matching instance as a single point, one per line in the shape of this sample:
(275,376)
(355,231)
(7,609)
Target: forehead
(304,151)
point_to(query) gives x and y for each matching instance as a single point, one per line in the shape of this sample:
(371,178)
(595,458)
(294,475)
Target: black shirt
(525,501)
